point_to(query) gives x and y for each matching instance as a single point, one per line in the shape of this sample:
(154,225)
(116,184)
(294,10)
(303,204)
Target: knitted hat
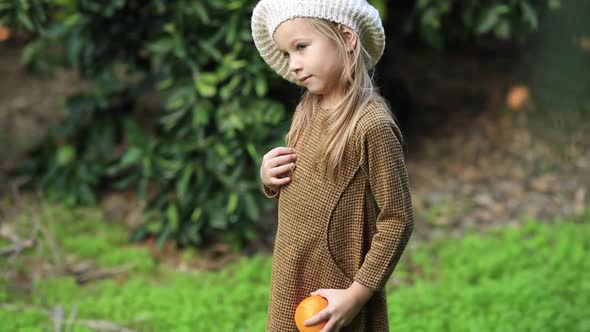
(358,15)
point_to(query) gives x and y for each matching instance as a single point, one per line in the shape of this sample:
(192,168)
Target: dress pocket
(338,277)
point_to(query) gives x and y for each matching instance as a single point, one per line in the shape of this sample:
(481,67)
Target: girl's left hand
(343,306)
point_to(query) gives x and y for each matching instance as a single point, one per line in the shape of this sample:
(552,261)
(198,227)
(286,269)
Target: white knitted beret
(358,15)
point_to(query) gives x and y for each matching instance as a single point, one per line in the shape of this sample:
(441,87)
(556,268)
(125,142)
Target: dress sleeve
(388,179)
(270,193)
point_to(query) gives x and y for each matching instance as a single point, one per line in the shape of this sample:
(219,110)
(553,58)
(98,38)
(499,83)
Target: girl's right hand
(277,166)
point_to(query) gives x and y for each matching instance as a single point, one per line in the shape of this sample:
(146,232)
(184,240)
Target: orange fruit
(517,97)
(308,308)
(4,33)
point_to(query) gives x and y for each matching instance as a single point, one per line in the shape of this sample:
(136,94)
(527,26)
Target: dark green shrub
(196,165)
(30,15)
(440,22)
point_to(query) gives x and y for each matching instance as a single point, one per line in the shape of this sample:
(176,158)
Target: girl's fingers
(330,326)
(318,318)
(281,150)
(280,170)
(281,160)
(279,181)
(333,325)
(278,164)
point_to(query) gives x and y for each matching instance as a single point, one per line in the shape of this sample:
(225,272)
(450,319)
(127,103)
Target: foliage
(522,279)
(440,22)
(196,164)
(24,14)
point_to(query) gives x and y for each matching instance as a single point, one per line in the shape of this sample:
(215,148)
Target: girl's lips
(303,79)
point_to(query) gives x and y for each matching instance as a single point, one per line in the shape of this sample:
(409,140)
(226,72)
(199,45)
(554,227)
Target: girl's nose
(294,64)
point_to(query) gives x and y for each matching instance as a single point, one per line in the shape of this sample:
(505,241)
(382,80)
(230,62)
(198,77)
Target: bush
(439,23)
(197,164)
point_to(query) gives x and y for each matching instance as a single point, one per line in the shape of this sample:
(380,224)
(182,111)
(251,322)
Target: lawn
(527,278)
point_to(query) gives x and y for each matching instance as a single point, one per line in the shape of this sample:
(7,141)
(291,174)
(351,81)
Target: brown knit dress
(331,233)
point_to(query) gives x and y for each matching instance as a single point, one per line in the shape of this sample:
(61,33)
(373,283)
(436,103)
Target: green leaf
(131,156)
(201,12)
(30,52)
(170,28)
(261,86)
(237,122)
(200,115)
(233,5)
(492,18)
(238,64)
(221,150)
(529,15)
(230,37)
(182,184)
(208,48)
(502,30)
(251,208)
(227,90)
(65,154)
(165,84)
(206,84)
(431,18)
(26,21)
(163,45)
(172,214)
(232,203)
(217,218)
(554,4)
(252,151)
(247,88)
(197,213)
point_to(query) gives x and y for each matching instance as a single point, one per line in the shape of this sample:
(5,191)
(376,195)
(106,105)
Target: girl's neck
(328,101)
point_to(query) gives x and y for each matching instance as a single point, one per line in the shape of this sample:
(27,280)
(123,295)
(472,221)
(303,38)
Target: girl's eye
(286,54)
(301,47)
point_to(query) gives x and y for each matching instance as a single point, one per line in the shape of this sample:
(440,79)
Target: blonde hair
(339,123)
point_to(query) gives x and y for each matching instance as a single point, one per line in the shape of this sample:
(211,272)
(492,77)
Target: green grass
(526,279)
(529,279)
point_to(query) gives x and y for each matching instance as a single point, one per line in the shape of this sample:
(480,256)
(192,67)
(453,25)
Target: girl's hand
(276,167)
(343,306)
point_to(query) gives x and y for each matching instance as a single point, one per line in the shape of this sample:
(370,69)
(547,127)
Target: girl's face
(313,58)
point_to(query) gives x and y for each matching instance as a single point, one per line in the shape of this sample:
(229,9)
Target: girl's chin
(317,92)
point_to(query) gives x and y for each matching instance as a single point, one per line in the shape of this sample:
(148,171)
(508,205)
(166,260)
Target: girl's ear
(350,37)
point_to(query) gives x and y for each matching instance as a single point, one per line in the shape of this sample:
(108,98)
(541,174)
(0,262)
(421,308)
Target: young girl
(344,206)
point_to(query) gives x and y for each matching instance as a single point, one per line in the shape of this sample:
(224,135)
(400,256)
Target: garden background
(132,132)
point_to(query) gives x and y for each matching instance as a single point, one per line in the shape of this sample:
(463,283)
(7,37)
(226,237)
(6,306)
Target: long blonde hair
(339,123)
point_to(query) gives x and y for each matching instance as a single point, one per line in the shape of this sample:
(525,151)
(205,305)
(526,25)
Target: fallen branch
(72,318)
(102,273)
(50,241)
(57,314)
(7,233)
(97,325)
(17,247)
(103,326)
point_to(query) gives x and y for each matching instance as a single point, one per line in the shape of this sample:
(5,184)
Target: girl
(344,206)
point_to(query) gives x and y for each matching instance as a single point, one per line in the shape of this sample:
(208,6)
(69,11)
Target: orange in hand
(308,308)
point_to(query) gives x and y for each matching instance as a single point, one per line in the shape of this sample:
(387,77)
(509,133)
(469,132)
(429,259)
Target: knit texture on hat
(359,15)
